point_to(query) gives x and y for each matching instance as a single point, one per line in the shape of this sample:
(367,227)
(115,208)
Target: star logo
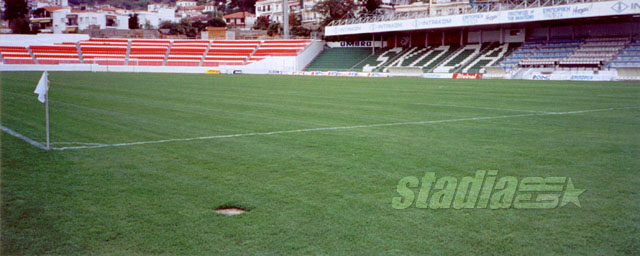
(619,7)
(571,195)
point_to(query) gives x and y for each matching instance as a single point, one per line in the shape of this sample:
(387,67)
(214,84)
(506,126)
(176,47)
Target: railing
(502,6)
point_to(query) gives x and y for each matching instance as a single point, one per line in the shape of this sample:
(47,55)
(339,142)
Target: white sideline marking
(99,145)
(22,137)
(418,103)
(472,107)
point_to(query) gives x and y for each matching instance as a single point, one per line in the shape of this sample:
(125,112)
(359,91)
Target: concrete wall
(40,39)
(508,36)
(592,30)
(287,64)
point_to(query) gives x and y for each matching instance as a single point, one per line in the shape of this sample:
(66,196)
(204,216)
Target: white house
(185,3)
(209,7)
(273,10)
(66,20)
(37,4)
(160,14)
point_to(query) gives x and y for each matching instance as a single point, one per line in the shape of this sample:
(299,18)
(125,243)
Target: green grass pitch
(310,191)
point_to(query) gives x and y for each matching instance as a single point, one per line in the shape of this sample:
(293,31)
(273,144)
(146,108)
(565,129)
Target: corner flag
(43,96)
(43,87)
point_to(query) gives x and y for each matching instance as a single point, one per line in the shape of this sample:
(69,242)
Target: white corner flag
(43,96)
(43,87)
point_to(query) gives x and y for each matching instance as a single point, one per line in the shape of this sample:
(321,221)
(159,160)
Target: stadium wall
(587,30)
(40,39)
(537,74)
(286,64)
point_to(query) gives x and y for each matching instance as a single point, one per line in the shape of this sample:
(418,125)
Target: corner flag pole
(46,110)
(42,89)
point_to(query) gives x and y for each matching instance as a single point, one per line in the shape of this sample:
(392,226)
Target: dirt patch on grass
(230,210)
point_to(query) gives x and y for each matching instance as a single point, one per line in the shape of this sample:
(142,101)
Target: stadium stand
(558,54)
(279,48)
(405,58)
(394,61)
(629,57)
(55,54)
(187,52)
(411,58)
(104,51)
(148,52)
(376,61)
(429,67)
(139,52)
(371,60)
(339,59)
(444,59)
(230,52)
(429,56)
(16,55)
(457,59)
(490,56)
(596,52)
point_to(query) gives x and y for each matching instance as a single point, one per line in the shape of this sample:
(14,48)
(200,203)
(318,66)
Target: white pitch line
(22,137)
(98,145)
(472,107)
(337,128)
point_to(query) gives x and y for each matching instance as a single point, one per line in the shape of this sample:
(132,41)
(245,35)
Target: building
(37,4)
(240,19)
(156,15)
(273,9)
(310,18)
(304,8)
(193,12)
(157,7)
(186,3)
(59,20)
(209,7)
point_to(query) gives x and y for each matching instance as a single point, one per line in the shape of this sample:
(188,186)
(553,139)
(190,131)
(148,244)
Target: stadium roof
(541,11)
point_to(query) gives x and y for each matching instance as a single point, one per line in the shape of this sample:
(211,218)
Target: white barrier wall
(309,54)
(286,64)
(104,68)
(608,75)
(39,39)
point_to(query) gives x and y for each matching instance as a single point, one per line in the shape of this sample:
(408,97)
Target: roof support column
(285,18)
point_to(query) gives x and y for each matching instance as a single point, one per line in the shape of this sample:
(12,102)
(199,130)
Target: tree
(147,25)
(216,22)
(334,10)
(15,9)
(262,23)
(273,29)
(21,26)
(244,5)
(173,27)
(16,12)
(196,28)
(295,25)
(372,5)
(133,21)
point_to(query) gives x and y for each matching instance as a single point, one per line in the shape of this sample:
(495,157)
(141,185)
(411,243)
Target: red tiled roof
(53,8)
(238,15)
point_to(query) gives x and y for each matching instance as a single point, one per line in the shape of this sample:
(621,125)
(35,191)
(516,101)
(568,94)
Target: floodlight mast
(285,18)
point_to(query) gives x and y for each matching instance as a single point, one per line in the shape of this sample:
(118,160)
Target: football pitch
(141,161)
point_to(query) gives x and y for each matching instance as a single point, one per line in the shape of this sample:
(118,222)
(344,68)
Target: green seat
(338,59)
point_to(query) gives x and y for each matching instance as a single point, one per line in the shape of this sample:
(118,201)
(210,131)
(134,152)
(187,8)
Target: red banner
(467,76)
